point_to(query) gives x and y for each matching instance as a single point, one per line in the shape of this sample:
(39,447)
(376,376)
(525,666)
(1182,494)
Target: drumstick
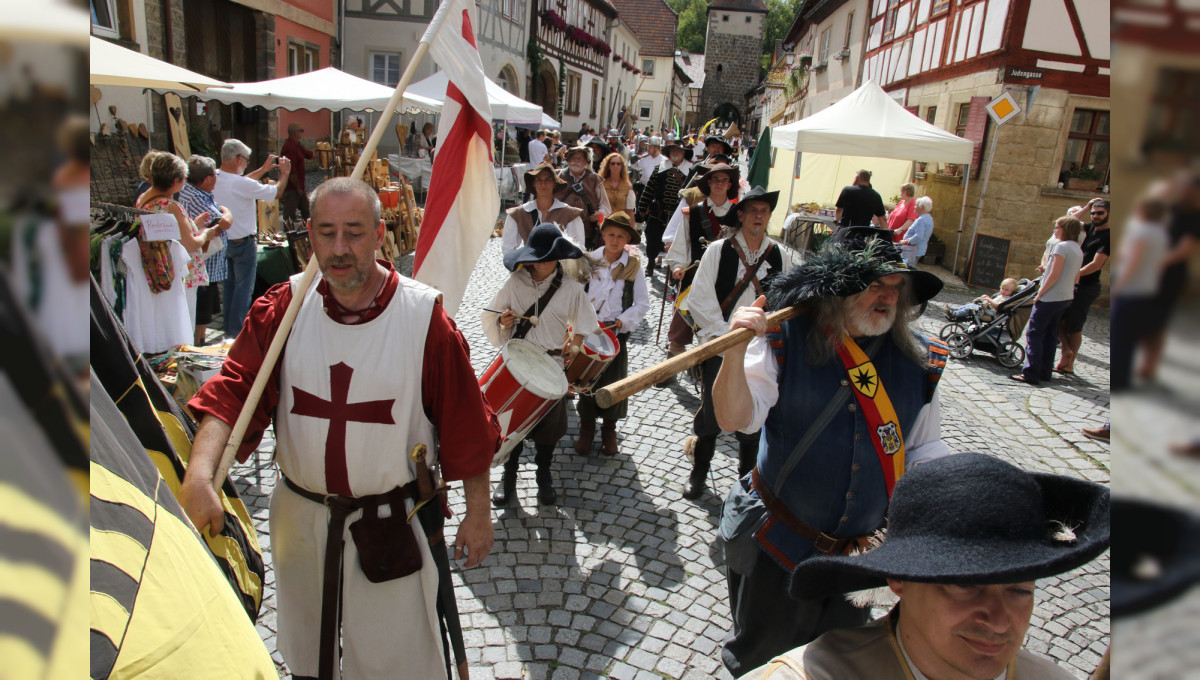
(623,389)
(532,317)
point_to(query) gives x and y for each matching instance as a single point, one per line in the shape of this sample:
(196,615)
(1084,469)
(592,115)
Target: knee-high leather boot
(508,486)
(705,448)
(545,482)
(747,452)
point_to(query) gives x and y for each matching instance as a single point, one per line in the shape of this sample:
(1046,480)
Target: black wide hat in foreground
(771,198)
(845,265)
(1155,555)
(546,242)
(972,519)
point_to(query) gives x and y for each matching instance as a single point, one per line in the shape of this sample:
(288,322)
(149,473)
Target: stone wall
(1022,199)
(730,71)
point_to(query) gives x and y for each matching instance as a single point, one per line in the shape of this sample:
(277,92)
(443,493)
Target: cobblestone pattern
(625,578)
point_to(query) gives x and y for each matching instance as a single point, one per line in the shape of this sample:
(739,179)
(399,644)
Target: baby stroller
(997,334)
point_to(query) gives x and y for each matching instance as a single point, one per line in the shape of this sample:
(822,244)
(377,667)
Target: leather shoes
(505,492)
(693,489)
(587,435)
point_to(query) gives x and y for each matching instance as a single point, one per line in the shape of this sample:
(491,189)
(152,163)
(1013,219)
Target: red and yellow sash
(877,409)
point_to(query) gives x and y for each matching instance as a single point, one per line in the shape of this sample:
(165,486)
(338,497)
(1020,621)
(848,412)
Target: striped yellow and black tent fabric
(43,513)
(160,605)
(165,433)
(43,553)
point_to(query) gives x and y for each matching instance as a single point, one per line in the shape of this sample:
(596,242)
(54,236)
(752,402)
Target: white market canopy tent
(870,123)
(114,65)
(320,90)
(866,130)
(505,105)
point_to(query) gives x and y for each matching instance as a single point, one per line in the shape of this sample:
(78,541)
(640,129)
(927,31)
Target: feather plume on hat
(842,269)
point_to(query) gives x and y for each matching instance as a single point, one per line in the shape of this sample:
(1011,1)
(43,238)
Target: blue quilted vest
(838,485)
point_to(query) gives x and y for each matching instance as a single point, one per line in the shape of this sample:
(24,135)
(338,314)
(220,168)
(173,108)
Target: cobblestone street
(625,579)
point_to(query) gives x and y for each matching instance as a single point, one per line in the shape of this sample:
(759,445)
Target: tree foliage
(780,16)
(693,24)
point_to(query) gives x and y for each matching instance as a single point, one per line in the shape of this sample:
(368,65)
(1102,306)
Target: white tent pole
(792,183)
(962,215)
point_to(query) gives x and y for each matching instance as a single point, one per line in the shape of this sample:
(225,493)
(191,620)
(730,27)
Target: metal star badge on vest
(864,379)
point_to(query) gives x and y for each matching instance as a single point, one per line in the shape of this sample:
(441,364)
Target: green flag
(760,163)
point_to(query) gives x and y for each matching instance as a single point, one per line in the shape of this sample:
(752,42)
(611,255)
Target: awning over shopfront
(114,65)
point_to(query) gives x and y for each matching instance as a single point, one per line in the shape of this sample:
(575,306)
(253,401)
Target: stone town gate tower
(732,51)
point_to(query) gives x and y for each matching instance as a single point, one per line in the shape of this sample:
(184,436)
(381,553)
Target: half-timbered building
(573,40)
(945,59)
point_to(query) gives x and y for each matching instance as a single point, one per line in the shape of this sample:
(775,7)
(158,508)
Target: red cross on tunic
(339,412)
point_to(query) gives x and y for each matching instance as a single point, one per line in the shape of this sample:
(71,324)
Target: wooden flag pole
(623,389)
(310,273)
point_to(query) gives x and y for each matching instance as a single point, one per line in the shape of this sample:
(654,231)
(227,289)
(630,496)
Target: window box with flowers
(1083,177)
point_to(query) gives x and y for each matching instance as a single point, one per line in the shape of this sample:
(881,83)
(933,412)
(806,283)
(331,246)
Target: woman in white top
(1051,302)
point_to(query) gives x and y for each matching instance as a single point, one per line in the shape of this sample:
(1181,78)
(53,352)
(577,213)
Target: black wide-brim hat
(546,242)
(621,219)
(537,170)
(845,266)
(1155,555)
(602,149)
(758,194)
(719,140)
(735,176)
(687,152)
(971,519)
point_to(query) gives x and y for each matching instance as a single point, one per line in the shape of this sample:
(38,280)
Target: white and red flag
(463,202)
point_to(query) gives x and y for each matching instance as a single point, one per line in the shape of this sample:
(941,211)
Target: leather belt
(340,507)
(823,542)
(239,240)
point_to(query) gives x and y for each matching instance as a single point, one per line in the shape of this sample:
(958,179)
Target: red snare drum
(595,354)
(522,385)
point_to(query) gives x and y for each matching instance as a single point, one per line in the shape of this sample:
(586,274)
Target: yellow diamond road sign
(1003,108)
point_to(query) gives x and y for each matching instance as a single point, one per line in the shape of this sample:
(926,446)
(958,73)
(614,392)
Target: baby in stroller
(992,324)
(984,303)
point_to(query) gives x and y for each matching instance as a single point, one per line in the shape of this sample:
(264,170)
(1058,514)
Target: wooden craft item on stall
(324,155)
(179,136)
(268,217)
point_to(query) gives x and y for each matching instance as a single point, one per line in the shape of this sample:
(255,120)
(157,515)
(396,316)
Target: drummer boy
(618,294)
(538,304)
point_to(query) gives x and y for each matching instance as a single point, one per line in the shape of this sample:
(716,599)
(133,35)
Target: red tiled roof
(653,22)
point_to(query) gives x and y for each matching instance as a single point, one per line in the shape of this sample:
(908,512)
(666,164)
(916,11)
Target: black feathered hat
(972,519)
(719,140)
(1155,555)
(845,266)
(546,242)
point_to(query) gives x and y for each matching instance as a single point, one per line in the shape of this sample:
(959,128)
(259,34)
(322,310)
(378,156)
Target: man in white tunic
(373,369)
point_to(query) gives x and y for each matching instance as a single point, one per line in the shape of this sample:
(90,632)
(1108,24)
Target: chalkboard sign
(989,260)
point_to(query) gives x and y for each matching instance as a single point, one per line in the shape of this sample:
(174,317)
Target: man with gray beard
(846,397)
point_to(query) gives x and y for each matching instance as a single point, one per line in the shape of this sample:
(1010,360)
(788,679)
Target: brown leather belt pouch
(387,547)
